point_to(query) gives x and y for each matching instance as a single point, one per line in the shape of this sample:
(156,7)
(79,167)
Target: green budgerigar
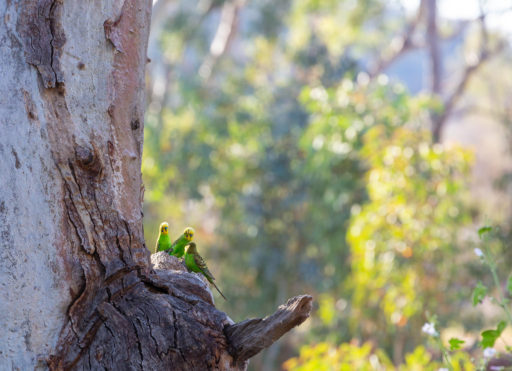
(163,243)
(196,263)
(178,246)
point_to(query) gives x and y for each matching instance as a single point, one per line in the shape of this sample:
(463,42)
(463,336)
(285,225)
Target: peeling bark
(77,287)
(43,38)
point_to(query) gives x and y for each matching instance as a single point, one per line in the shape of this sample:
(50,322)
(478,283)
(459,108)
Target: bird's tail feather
(220,292)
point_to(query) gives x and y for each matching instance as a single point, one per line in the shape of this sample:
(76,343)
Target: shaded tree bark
(77,287)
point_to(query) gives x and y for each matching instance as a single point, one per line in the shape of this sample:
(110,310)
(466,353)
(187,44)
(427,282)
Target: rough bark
(77,287)
(251,336)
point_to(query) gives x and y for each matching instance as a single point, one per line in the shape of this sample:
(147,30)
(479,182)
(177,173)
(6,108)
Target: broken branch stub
(249,337)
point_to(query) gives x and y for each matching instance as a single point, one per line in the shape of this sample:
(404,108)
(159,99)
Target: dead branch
(249,337)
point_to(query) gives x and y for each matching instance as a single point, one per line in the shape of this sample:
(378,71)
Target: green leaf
(509,284)
(479,293)
(489,337)
(455,343)
(484,230)
(501,326)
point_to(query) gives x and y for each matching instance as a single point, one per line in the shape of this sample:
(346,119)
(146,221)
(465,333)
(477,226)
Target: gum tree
(77,287)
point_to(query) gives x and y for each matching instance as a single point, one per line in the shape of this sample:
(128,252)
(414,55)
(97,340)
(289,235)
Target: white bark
(38,275)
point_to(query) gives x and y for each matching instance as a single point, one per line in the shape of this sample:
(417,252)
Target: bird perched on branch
(196,263)
(163,242)
(178,246)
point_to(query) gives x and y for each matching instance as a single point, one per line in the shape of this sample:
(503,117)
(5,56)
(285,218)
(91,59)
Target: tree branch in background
(225,33)
(399,47)
(438,121)
(249,337)
(163,12)
(406,42)
(433,47)
(427,12)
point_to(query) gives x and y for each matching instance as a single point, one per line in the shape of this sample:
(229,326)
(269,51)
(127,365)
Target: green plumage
(163,243)
(178,246)
(196,263)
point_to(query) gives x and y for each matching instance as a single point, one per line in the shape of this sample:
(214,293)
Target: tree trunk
(77,290)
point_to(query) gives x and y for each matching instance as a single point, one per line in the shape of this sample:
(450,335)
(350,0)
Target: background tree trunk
(77,290)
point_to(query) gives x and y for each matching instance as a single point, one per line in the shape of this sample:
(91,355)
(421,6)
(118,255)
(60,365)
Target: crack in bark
(113,339)
(84,347)
(70,218)
(52,33)
(78,294)
(127,227)
(165,351)
(82,197)
(175,337)
(120,273)
(98,207)
(120,248)
(123,291)
(153,286)
(137,338)
(151,334)
(90,365)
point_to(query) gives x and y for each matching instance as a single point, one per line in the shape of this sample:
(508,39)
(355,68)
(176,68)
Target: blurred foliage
(302,174)
(349,356)
(404,239)
(324,357)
